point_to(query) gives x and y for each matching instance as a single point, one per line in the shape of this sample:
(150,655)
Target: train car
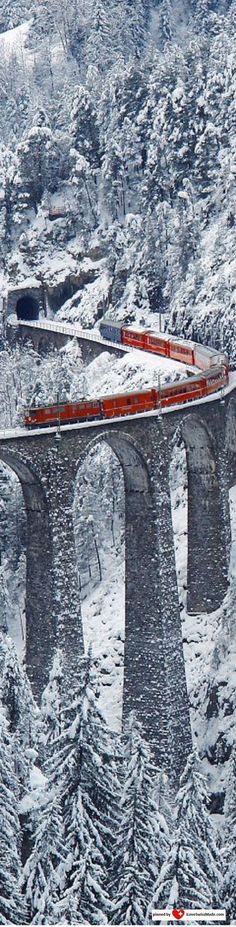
(216,378)
(183,391)
(64,412)
(135,337)
(208,357)
(129,403)
(158,343)
(111,331)
(181,350)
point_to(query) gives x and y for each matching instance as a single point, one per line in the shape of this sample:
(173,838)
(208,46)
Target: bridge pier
(177,702)
(144,659)
(208,520)
(154,675)
(40,624)
(66,607)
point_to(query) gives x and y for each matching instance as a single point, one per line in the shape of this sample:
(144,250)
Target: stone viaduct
(43,339)
(154,672)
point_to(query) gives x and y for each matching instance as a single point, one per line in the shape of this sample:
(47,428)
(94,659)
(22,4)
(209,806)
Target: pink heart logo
(178,913)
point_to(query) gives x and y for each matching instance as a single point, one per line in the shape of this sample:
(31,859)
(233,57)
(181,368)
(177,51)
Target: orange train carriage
(124,404)
(64,411)
(212,376)
(163,343)
(129,403)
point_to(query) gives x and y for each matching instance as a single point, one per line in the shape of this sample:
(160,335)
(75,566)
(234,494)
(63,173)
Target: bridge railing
(64,329)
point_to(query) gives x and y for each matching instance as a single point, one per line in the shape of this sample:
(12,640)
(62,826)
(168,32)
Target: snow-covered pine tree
(83,773)
(190,876)
(52,705)
(41,163)
(137,15)
(229,850)
(84,127)
(165,30)
(12,905)
(21,711)
(141,840)
(85,898)
(15,691)
(100,51)
(44,872)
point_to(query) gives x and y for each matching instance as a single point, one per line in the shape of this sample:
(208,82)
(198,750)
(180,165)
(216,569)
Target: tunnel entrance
(27,308)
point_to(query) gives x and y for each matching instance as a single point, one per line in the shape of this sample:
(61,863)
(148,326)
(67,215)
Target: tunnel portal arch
(27,308)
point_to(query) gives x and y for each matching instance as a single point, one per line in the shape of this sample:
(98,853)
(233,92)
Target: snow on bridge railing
(64,329)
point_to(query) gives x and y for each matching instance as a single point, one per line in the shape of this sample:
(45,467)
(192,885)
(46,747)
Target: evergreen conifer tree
(44,871)
(84,128)
(52,705)
(141,840)
(190,877)
(82,770)
(12,905)
(99,47)
(229,851)
(17,699)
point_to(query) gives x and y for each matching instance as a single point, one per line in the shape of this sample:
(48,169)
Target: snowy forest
(117,195)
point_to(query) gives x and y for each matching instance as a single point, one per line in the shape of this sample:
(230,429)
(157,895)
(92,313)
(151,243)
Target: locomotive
(213,373)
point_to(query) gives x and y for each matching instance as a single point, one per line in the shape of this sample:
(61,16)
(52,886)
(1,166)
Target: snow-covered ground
(103,613)
(13,41)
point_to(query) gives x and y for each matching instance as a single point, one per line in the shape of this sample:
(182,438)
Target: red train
(213,365)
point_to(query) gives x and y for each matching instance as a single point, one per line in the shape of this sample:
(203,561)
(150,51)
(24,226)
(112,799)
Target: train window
(128,402)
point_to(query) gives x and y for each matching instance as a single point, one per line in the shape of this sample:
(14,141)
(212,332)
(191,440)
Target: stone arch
(135,468)
(27,308)
(207,555)
(144,666)
(40,629)
(154,677)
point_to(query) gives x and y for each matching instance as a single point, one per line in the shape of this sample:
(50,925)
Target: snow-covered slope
(13,42)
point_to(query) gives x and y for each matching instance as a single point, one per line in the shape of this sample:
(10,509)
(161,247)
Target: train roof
(137,392)
(134,327)
(163,336)
(185,381)
(182,341)
(206,349)
(57,405)
(111,323)
(212,371)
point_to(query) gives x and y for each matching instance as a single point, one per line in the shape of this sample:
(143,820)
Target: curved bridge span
(154,674)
